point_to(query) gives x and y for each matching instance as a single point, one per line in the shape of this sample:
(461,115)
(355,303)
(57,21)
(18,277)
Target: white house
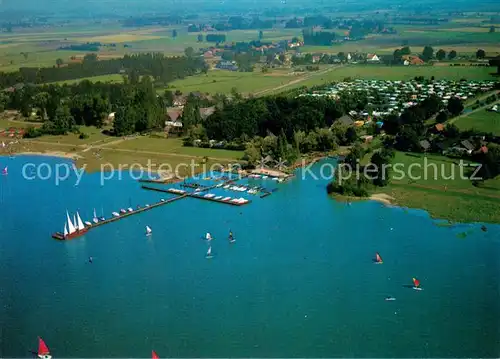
(372,58)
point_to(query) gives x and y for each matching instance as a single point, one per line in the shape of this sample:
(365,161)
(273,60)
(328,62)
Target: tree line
(160,68)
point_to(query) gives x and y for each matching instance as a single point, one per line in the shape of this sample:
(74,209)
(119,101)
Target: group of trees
(162,69)
(62,108)
(217,38)
(318,38)
(88,47)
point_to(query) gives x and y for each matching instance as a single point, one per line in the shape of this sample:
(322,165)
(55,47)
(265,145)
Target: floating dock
(199,195)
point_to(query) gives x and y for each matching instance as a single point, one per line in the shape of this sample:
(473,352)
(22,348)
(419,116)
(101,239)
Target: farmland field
(481,121)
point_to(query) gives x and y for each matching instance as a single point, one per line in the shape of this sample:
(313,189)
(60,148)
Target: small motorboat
(87,223)
(390,298)
(122,211)
(115,214)
(130,209)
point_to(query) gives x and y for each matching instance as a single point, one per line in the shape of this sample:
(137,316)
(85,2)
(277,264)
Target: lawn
(483,120)
(174,147)
(94,134)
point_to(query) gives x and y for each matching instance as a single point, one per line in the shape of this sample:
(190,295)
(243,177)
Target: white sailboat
(71,227)
(208,237)
(65,230)
(209,253)
(80,224)
(148,231)
(95,219)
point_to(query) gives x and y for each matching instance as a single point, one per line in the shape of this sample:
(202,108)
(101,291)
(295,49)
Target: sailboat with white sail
(209,253)
(208,237)
(72,229)
(95,219)
(148,231)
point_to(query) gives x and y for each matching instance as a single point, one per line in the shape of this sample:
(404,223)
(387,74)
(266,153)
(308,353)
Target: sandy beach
(68,155)
(383,198)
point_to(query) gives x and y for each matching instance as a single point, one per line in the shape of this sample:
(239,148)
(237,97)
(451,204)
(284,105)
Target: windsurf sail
(154,355)
(416,282)
(209,252)
(42,347)
(148,230)
(71,227)
(5,171)
(79,222)
(208,237)
(378,258)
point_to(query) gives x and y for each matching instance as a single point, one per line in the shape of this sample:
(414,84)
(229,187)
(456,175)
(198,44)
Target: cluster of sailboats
(416,282)
(77,227)
(44,352)
(209,238)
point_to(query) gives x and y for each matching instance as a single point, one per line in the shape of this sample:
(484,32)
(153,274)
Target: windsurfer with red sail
(378,259)
(416,284)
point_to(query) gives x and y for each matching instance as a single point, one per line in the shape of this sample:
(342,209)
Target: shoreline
(57,154)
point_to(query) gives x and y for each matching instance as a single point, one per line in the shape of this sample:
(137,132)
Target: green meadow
(483,120)
(432,189)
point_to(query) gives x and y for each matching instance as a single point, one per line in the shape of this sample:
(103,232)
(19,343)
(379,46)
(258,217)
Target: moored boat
(72,229)
(95,219)
(115,214)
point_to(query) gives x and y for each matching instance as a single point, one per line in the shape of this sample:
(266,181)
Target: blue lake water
(298,282)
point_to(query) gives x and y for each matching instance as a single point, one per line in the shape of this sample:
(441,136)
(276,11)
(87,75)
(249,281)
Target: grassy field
(172,146)
(483,120)
(116,78)
(221,81)
(455,199)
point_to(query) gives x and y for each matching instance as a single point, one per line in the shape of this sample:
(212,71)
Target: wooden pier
(60,236)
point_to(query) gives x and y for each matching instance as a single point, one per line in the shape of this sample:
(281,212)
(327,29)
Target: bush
(83,136)
(32,132)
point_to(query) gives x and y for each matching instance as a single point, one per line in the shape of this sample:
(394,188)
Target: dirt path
(114,142)
(296,81)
